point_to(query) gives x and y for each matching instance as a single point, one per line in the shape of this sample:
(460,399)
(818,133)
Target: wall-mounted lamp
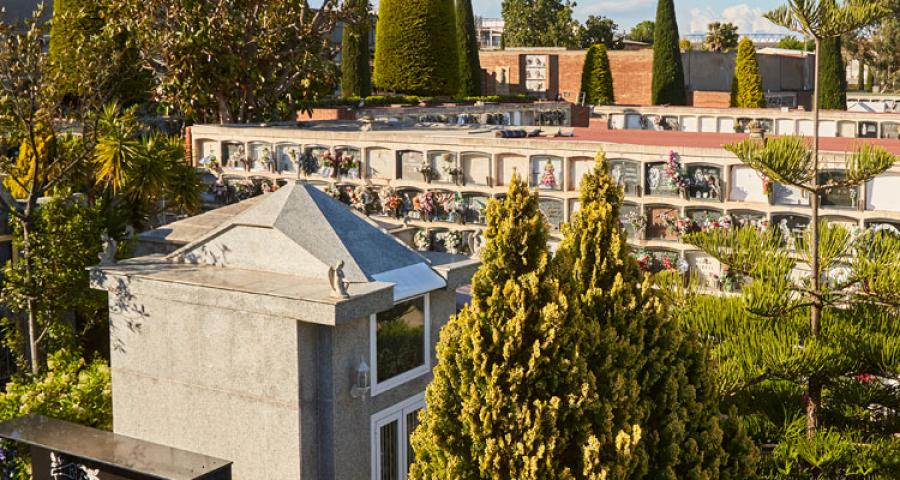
(362,385)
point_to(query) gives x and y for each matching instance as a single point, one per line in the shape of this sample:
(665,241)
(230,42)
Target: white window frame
(398,413)
(380,387)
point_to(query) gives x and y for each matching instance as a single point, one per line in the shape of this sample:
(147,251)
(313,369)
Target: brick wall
(711,99)
(341,113)
(632,73)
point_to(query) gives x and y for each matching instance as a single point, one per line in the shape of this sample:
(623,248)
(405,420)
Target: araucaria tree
(232,61)
(544,23)
(668,73)
(356,76)
(832,76)
(810,352)
(821,20)
(416,47)
(596,77)
(513,394)
(747,90)
(467,48)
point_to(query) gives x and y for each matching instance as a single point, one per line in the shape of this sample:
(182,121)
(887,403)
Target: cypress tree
(596,77)
(747,79)
(832,76)
(870,79)
(668,72)
(467,48)
(415,47)
(513,396)
(356,80)
(648,371)
(861,76)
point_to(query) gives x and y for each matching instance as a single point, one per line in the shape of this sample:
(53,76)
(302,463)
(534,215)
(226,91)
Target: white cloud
(747,18)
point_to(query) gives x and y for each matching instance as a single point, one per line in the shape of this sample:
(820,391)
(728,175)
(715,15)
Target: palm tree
(820,20)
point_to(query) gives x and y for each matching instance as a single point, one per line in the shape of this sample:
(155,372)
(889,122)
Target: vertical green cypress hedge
(832,76)
(415,47)
(356,79)
(668,72)
(596,77)
(747,79)
(467,49)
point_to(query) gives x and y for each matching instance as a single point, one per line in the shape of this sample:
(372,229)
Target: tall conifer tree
(747,91)
(513,395)
(356,77)
(467,46)
(668,72)
(596,77)
(832,76)
(415,47)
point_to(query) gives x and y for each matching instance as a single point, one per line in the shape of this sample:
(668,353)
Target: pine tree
(596,77)
(415,47)
(749,91)
(832,76)
(668,73)
(513,396)
(356,78)
(467,46)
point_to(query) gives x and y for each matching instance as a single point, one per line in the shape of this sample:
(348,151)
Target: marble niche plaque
(707,268)
(627,173)
(410,162)
(658,182)
(553,211)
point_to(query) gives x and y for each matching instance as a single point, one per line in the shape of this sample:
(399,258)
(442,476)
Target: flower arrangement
(333,192)
(678,225)
(676,173)
(308,163)
(453,242)
(723,222)
(637,221)
(427,170)
(424,204)
(390,201)
(361,198)
(768,186)
(346,163)
(648,262)
(449,167)
(422,240)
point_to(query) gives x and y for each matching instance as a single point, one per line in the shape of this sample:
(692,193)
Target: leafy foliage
(748,91)
(416,47)
(792,43)
(232,61)
(356,77)
(72,389)
(543,23)
(668,73)
(467,47)
(598,29)
(721,37)
(596,77)
(643,32)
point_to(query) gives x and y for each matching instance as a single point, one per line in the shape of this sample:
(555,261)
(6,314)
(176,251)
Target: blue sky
(693,15)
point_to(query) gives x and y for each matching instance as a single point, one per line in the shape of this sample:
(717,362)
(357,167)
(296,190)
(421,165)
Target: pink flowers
(865,378)
(675,173)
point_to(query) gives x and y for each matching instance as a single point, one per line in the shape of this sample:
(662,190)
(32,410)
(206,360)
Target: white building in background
(490,32)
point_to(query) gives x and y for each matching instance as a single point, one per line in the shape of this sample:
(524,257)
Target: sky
(693,15)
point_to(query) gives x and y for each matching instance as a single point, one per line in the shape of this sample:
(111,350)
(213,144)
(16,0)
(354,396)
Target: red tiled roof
(599,133)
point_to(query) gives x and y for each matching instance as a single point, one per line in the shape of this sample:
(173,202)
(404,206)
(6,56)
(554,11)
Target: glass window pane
(412,421)
(400,338)
(388,451)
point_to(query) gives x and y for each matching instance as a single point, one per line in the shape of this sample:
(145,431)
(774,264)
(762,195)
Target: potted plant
(427,170)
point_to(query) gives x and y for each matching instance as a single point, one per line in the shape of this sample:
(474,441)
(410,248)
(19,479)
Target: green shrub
(668,72)
(596,77)
(832,76)
(356,78)
(415,47)
(467,49)
(747,90)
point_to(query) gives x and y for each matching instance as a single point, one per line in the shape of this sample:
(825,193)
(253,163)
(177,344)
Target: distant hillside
(19,9)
